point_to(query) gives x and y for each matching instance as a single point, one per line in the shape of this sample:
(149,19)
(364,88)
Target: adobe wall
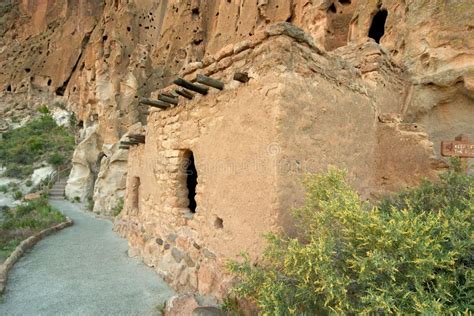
(252,143)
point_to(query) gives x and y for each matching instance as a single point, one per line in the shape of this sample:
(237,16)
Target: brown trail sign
(459,147)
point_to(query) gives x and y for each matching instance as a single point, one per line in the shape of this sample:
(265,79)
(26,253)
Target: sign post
(459,147)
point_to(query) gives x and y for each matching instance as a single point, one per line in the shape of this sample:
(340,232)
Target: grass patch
(24,221)
(39,140)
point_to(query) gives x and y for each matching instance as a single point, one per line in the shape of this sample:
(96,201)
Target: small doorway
(377,28)
(191,180)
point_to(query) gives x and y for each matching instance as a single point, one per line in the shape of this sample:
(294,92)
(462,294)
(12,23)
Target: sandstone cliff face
(102,55)
(377,106)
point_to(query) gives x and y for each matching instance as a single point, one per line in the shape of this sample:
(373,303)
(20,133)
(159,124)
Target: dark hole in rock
(345,2)
(219,223)
(105,38)
(9,88)
(332,8)
(60,91)
(129,28)
(191,181)
(195,11)
(80,124)
(27,69)
(377,28)
(50,82)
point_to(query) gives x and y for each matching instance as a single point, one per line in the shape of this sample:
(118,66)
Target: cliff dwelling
(207,115)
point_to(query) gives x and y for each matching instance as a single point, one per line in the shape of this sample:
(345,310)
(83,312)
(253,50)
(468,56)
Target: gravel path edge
(24,246)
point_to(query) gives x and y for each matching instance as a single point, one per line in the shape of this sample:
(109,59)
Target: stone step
(58,188)
(56,197)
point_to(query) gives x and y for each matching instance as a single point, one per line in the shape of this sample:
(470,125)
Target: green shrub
(17,195)
(60,105)
(18,171)
(56,159)
(412,254)
(39,140)
(43,109)
(23,221)
(3,188)
(13,186)
(90,204)
(73,120)
(29,183)
(119,207)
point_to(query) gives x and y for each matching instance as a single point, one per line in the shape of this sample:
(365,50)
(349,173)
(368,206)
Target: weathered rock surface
(109,187)
(320,92)
(85,166)
(41,174)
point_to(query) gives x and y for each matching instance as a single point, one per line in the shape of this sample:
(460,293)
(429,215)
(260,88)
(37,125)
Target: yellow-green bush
(413,253)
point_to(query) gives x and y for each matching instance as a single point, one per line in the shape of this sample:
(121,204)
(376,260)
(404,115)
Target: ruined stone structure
(369,86)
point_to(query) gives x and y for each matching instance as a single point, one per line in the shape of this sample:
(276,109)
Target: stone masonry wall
(252,143)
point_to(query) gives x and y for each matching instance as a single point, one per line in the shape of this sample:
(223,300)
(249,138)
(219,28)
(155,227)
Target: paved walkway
(82,270)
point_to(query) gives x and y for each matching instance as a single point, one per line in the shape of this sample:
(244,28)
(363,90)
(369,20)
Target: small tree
(411,254)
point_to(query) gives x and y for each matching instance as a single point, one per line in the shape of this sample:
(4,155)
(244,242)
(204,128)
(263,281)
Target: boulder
(42,174)
(181,305)
(32,196)
(111,180)
(84,166)
(61,116)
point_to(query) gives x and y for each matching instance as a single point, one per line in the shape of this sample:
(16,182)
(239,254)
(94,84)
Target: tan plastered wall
(252,144)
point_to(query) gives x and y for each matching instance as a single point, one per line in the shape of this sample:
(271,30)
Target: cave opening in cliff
(60,90)
(377,28)
(191,181)
(9,88)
